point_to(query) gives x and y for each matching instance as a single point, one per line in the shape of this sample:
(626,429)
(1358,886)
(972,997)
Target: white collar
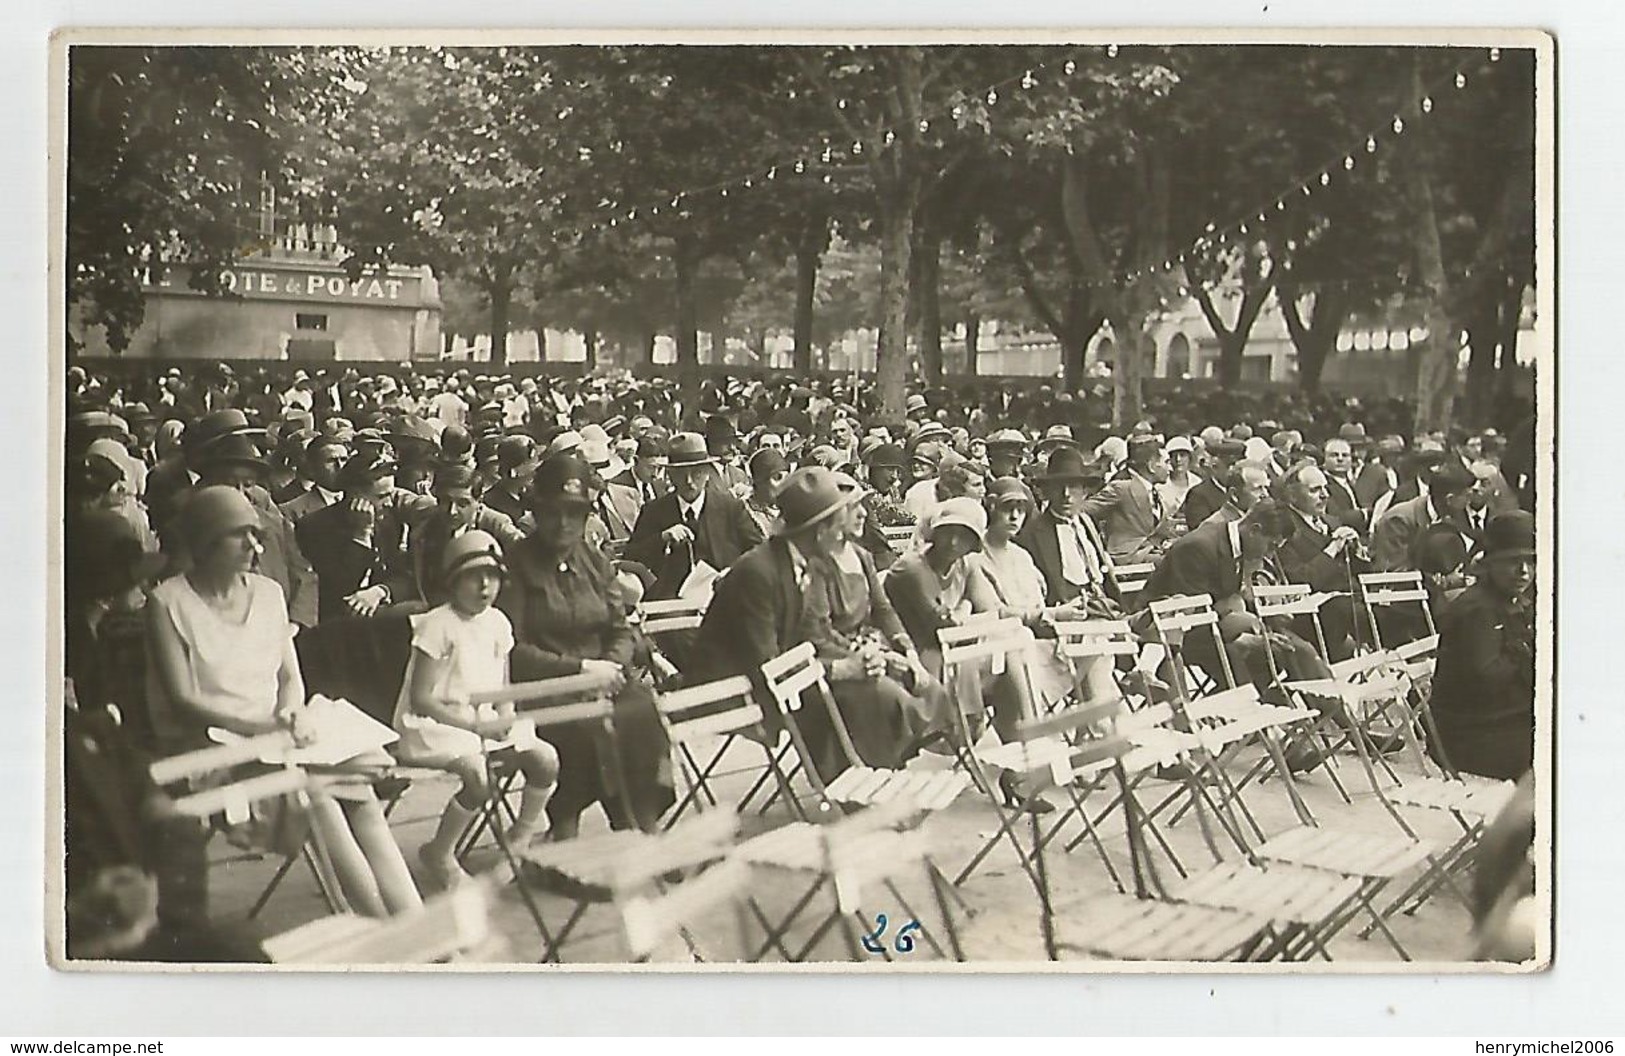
(328,497)
(696,507)
(1233,529)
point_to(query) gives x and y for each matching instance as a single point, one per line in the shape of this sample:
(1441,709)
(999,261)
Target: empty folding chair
(703,722)
(849,860)
(1141,926)
(453,926)
(1402,595)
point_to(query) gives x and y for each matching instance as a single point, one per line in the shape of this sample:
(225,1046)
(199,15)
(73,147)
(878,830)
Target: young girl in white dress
(458,649)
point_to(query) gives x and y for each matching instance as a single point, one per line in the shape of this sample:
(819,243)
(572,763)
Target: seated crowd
(230,553)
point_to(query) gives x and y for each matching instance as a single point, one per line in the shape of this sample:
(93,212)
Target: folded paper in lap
(700,584)
(339,731)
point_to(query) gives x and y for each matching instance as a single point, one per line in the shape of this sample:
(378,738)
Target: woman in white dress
(222,655)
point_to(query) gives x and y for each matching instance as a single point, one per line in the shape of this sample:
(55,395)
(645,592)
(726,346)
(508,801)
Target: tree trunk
(685,265)
(589,341)
(973,336)
(891,366)
(927,277)
(1233,339)
(1129,337)
(809,254)
(501,293)
(541,343)
(1315,339)
(1436,373)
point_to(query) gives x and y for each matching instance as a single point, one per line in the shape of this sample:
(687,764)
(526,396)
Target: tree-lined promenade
(626,192)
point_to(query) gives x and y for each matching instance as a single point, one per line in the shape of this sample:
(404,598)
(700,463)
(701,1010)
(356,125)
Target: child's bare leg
(540,765)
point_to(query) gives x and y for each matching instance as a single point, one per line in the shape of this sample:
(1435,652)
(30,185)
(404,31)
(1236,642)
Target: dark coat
(1202,501)
(1484,685)
(1199,562)
(1038,538)
(757,613)
(726,532)
(343,565)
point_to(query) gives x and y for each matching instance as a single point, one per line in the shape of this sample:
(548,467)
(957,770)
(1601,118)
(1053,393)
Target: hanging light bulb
(890,136)
(829,177)
(857,149)
(801,166)
(1495,54)
(773,173)
(1461,80)
(749,182)
(1263,218)
(826,156)
(1325,179)
(925,126)
(1371,144)
(724,192)
(1306,190)
(957,112)
(1427,104)
(1242,229)
(1399,126)
(1183,291)
(1111,51)
(1348,163)
(1280,206)
(1209,228)
(1028,81)
(1069,67)
(840,104)
(992,96)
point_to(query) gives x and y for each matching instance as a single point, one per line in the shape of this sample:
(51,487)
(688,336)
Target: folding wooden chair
(1391,591)
(1138,927)
(657,620)
(233,800)
(705,721)
(453,926)
(849,859)
(1131,579)
(668,888)
(967,650)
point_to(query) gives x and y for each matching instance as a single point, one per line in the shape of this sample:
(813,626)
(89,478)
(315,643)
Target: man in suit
(516,464)
(1397,530)
(1327,557)
(762,607)
(647,473)
(1224,559)
(324,457)
(1064,542)
(696,521)
(458,510)
(357,545)
(1129,509)
(1209,493)
(1484,683)
(1379,476)
(1247,482)
(1342,504)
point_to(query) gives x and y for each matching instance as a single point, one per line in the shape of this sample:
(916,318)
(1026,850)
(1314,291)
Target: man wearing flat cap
(696,521)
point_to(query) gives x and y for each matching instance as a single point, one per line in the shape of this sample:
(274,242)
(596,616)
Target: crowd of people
(232,544)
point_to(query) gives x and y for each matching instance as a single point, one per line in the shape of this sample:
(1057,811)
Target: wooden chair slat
(213,801)
(539,692)
(218,757)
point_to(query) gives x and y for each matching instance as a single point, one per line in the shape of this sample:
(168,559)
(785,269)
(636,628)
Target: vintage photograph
(1007,503)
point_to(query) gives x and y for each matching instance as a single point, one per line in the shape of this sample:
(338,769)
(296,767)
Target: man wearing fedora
(1006,451)
(698,520)
(1063,540)
(1483,699)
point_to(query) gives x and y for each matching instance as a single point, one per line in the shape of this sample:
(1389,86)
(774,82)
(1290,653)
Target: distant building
(292,302)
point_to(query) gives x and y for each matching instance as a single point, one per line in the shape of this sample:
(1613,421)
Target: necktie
(1156,503)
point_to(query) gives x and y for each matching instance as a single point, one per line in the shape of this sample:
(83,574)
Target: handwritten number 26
(905,936)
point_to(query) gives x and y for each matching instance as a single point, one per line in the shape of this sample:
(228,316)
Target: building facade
(288,305)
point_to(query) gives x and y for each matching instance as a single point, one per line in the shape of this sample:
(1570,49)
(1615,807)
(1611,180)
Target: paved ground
(1002,927)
